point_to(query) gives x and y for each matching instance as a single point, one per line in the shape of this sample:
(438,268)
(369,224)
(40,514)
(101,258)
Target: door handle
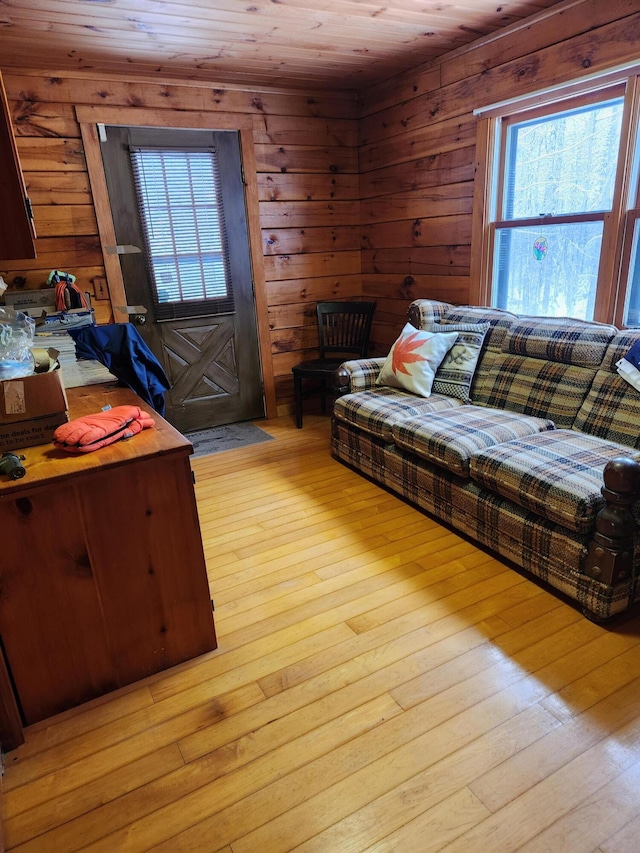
(137,313)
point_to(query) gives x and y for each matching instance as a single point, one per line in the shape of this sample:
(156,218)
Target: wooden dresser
(102,572)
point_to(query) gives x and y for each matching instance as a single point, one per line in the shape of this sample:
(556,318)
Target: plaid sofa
(519,467)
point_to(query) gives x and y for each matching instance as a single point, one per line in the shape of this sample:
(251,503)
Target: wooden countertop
(44,463)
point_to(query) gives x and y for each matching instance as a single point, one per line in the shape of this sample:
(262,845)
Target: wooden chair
(343,331)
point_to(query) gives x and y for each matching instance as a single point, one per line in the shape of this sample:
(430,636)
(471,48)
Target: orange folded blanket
(92,432)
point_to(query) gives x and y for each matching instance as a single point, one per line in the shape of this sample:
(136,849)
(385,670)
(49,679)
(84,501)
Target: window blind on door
(180,206)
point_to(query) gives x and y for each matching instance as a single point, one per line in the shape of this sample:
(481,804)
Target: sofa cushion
(422,312)
(376,411)
(546,368)
(454,376)
(499,322)
(561,339)
(611,409)
(450,439)
(414,359)
(557,475)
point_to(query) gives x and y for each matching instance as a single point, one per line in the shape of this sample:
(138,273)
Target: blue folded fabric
(633,356)
(120,347)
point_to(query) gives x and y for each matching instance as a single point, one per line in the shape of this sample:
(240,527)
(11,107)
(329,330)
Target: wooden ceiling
(342,44)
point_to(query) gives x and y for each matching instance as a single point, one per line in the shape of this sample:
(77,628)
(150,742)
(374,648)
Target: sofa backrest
(423,312)
(546,367)
(611,409)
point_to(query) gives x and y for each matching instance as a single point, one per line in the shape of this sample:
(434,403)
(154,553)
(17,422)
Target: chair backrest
(344,327)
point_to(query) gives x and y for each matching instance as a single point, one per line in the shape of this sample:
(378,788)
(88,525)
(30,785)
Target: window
(631,255)
(183,224)
(561,208)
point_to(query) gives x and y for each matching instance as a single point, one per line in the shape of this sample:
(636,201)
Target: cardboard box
(35,302)
(15,436)
(31,408)
(31,301)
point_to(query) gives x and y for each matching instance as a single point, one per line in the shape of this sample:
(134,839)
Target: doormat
(227,437)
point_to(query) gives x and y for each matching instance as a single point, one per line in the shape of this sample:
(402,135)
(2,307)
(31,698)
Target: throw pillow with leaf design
(414,359)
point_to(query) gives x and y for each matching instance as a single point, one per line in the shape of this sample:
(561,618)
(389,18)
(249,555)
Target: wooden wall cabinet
(17,232)
(102,579)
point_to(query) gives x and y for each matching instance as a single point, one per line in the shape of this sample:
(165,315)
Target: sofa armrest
(422,312)
(357,375)
(611,551)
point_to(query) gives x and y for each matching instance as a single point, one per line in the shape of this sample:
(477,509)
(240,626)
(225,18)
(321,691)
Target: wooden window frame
(617,223)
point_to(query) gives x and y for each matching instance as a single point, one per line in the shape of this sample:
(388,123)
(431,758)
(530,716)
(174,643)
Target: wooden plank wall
(387,218)
(417,146)
(307,176)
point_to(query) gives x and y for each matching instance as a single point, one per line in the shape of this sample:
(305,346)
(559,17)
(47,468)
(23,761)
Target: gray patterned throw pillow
(455,375)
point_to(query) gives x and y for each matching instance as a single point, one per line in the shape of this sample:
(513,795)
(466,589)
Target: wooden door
(206,341)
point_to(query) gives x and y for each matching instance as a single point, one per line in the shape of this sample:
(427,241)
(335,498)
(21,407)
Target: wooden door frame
(89,117)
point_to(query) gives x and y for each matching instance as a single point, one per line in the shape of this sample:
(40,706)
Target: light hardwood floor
(380,685)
